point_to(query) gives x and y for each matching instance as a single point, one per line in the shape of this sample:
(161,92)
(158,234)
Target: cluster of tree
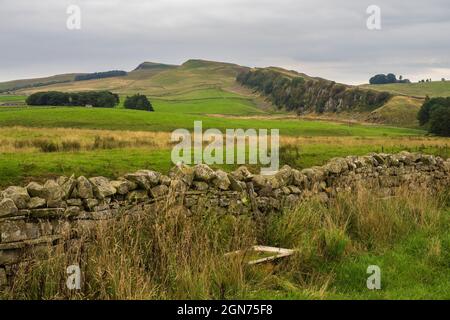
(96,99)
(100,75)
(435,116)
(428,80)
(387,78)
(138,102)
(314,95)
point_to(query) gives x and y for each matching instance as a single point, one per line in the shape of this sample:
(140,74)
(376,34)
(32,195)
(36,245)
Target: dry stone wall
(42,215)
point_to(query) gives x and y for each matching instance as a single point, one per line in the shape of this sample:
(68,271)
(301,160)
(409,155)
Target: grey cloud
(326,38)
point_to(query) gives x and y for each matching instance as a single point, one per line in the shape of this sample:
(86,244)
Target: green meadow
(169,117)
(12,98)
(431,89)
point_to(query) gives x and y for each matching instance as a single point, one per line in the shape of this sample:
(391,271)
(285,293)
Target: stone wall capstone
(67,207)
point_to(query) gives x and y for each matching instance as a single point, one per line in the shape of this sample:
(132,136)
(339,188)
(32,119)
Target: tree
(440,121)
(100,75)
(378,79)
(435,115)
(391,78)
(104,99)
(138,102)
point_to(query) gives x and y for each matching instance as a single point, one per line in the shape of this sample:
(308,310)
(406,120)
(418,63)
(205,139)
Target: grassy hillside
(432,89)
(197,86)
(399,111)
(36,82)
(160,80)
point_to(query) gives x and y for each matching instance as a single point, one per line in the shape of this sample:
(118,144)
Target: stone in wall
(18,195)
(145,179)
(7,208)
(83,189)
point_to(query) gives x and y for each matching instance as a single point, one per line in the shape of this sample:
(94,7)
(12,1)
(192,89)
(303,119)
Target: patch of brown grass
(21,139)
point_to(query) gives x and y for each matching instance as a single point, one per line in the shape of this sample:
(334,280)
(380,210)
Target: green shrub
(435,115)
(440,121)
(138,102)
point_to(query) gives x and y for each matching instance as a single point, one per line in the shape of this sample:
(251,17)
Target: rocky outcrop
(298,92)
(64,208)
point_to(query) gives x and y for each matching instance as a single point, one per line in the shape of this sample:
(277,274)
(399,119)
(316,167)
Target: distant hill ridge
(37,82)
(153,65)
(289,89)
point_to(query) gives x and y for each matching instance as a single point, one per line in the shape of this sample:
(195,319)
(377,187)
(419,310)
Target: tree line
(434,115)
(303,95)
(96,99)
(100,75)
(138,102)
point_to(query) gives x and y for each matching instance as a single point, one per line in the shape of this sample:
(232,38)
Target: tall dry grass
(23,139)
(165,254)
(20,139)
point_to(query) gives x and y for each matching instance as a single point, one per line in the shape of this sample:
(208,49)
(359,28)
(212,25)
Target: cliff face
(306,95)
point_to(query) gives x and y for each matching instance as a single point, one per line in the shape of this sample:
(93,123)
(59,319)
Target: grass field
(432,89)
(12,98)
(171,118)
(48,141)
(38,153)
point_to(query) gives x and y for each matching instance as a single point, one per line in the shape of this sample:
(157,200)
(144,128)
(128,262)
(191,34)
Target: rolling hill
(399,111)
(16,85)
(209,87)
(158,80)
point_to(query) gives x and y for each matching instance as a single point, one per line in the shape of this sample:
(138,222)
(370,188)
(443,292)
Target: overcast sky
(326,38)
